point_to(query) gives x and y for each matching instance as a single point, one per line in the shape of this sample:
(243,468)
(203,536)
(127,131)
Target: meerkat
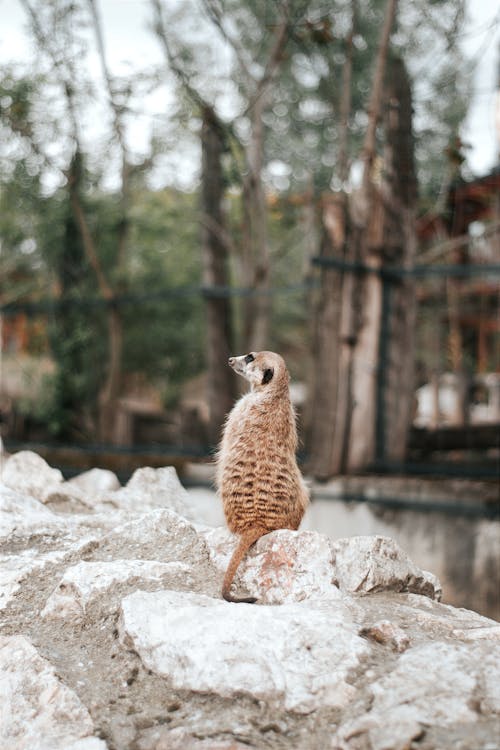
(257,475)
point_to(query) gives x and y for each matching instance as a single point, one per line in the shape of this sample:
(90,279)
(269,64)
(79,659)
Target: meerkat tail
(247,539)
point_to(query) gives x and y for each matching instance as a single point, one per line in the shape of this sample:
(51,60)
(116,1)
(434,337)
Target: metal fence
(456,420)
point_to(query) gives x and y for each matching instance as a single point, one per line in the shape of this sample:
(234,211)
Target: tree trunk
(326,343)
(221,384)
(110,391)
(256,262)
(400,188)
(344,400)
(109,430)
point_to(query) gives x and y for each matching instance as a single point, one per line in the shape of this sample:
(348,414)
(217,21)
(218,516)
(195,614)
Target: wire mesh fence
(53,358)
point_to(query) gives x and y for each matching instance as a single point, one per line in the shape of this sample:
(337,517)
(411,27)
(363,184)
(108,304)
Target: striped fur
(257,474)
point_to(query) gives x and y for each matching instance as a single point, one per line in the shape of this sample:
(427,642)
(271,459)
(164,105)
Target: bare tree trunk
(347,420)
(109,431)
(400,242)
(376,95)
(326,343)
(109,422)
(221,387)
(257,267)
(348,314)
(346,99)
(109,392)
(258,308)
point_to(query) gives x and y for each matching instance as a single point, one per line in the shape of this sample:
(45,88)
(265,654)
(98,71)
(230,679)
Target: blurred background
(182,180)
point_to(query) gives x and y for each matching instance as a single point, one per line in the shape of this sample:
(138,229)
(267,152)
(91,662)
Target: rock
(19,512)
(37,711)
(366,564)
(158,535)
(25,523)
(28,473)
(356,652)
(68,498)
(179,739)
(282,655)
(95,481)
(294,565)
(431,685)
(84,584)
(386,632)
(15,569)
(150,489)
(283,566)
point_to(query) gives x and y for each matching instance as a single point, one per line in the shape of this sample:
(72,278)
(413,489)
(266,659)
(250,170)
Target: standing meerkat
(257,474)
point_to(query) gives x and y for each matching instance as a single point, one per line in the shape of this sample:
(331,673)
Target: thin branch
(89,244)
(202,103)
(119,131)
(346,97)
(65,80)
(375,103)
(107,76)
(222,234)
(281,37)
(159,26)
(442,248)
(76,204)
(215,15)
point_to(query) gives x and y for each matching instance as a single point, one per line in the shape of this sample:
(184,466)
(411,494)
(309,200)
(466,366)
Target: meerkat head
(261,369)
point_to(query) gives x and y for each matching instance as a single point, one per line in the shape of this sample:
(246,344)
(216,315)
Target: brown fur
(257,473)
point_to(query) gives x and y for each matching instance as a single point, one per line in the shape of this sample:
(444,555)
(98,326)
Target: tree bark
(256,253)
(109,422)
(400,242)
(221,385)
(343,429)
(326,343)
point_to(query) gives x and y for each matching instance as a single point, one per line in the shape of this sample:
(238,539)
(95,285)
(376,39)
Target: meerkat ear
(268,375)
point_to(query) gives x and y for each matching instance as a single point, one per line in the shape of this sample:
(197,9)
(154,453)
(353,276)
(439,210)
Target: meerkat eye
(249,358)
(268,375)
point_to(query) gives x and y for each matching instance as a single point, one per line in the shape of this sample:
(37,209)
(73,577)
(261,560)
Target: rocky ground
(113,634)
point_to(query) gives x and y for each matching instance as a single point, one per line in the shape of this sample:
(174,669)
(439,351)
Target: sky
(125,24)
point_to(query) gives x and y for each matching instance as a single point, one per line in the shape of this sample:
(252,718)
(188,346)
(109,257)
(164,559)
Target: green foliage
(164,334)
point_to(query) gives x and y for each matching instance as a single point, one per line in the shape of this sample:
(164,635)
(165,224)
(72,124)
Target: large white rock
(283,566)
(432,685)
(286,566)
(37,711)
(20,512)
(150,488)
(28,473)
(158,535)
(16,569)
(95,481)
(366,564)
(87,582)
(292,656)
(69,498)
(25,523)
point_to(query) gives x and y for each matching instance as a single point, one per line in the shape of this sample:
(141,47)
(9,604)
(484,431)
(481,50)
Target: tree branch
(375,103)
(118,125)
(215,15)
(346,97)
